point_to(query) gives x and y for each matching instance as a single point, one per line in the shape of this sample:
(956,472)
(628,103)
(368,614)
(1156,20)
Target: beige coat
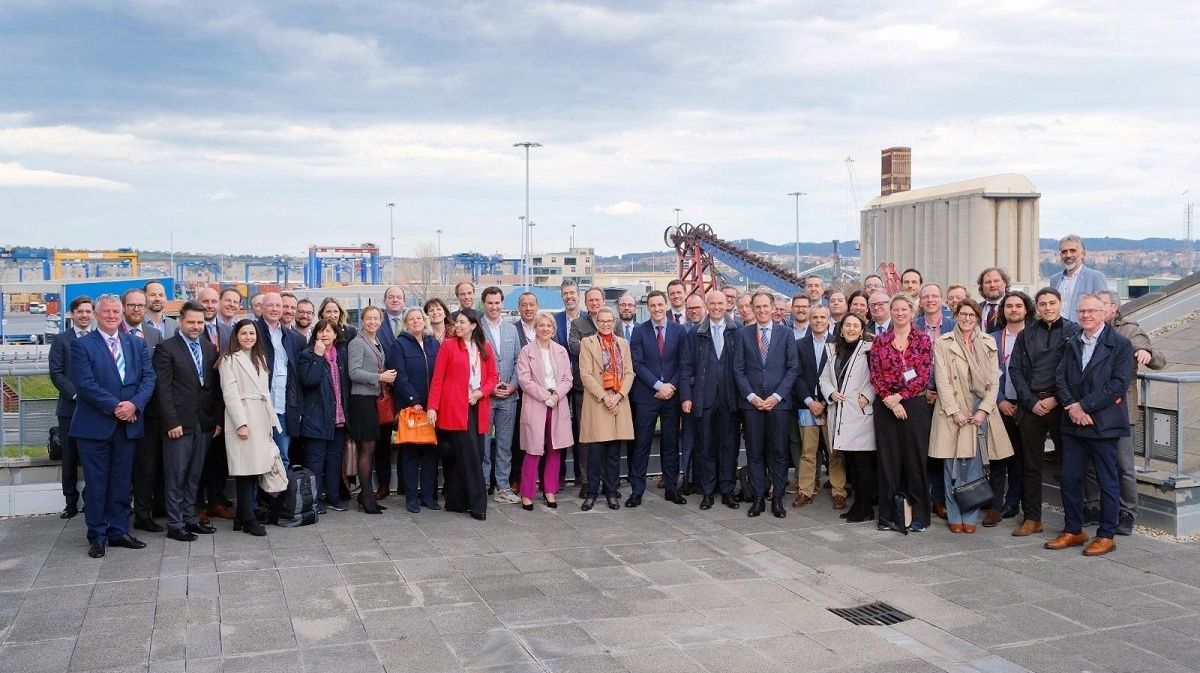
(951,372)
(596,422)
(850,427)
(247,402)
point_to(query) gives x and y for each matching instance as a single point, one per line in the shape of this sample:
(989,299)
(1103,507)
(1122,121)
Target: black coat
(809,377)
(60,371)
(318,417)
(414,369)
(183,401)
(1101,388)
(699,368)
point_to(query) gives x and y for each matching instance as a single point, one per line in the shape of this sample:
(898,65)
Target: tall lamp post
(524,233)
(441,276)
(529,227)
(572,236)
(677,211)
(392,232)
(797,195)
(524,230)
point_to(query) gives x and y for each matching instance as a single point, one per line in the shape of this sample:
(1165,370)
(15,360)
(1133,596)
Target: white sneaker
(506,496)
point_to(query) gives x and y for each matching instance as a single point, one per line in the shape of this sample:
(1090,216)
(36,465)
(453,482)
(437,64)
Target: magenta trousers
(529,467)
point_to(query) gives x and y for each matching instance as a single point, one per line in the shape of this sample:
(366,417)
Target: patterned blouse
(888,364)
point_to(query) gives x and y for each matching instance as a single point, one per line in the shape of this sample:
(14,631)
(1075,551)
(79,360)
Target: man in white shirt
(527,308)
(230,306)
(676,295)
(156,301)
(502,336)
(626,316)
(800,307)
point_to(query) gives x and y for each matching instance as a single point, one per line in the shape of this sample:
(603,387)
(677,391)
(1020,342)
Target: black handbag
(973,494)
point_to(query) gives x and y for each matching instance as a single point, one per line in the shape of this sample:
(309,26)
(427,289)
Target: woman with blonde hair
(544,373)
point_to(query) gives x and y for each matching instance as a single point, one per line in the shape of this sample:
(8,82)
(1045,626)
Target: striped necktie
(118,356)
(764,343)
(194,346)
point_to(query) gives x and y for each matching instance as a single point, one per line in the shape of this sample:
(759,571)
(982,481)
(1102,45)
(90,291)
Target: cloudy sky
(265,127)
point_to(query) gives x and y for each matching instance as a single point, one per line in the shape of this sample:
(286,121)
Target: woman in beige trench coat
(967,374)
(606,371)
(249,418)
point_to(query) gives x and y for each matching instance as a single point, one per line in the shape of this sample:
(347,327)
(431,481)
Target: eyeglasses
(135,306)
(967,314)
(877,304)
(1089,311)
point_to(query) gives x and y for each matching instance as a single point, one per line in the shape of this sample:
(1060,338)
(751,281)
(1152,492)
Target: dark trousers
(70,463)
(107,465)
(767,448)
(903,451)
(465,490)
(383,462)
(1102,453)
(419,468)
(245,486)
(604,464)
(666,414)
(324,458)
(214,475)
(578,452)
(148,471)
(183,461)
(1004,476)
(1126,474)
(1034,429)
(861,471)
(518,454)
(714,462)
(689,447)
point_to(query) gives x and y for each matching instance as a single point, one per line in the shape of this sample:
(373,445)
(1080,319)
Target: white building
(550,269)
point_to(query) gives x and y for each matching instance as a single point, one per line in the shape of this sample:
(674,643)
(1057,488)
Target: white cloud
(13,174)
(222,195)
(619,208)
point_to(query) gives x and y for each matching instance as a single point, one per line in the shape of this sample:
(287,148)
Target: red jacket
(449,388)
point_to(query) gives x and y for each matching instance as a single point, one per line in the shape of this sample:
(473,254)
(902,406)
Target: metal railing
(27,415)
(1161,434)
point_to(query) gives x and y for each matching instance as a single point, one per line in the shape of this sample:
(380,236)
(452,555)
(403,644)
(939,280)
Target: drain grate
(872,614)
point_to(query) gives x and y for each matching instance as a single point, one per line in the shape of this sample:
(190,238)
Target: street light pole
(797,195)
(525,253)
(524,233)
(572,236)
(441,276)
(677,211)
(392,230)
(530,224)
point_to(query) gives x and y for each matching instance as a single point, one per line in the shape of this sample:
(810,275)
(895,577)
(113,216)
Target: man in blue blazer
(811,356)
(1092,380)
(1075,280)
(707,391)
(82,311)
(655,353)
(765,367)
(113,381)
(393,317)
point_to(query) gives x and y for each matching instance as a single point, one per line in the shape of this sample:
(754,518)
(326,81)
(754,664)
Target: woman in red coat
(463,378)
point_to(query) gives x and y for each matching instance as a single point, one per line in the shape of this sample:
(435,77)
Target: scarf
(339,416)
(610,356)
(980,363)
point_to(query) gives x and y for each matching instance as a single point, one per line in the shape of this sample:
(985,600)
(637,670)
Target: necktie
(675,316)
(628,331)
(662,344)
(213,336)
(195,348)
(764,343)
(718,339)
(395,326)
(137,332)
(114,347)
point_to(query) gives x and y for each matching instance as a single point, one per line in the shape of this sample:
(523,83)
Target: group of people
(908,401)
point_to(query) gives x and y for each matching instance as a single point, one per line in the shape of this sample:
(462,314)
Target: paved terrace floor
(662,588)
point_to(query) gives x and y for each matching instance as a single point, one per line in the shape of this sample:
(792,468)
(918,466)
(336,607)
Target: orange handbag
(412,427)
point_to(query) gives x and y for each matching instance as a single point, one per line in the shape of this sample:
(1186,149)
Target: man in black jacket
(1033,367)
(708,392)
(190,409)
(60,375)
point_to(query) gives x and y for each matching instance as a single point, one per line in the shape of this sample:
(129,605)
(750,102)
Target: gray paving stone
(274,662)
(46,656)
(359,658)
(46,625)
(728,657)
(593,663)
(463,618)
(259,635)
(557,641)
(124,593)
(378,572)
(389,595)
(444,592)
(393,623)
(417,654)
(56,599)
(529,612)
(489,649)
(624,635)
(421,569)
(97,652)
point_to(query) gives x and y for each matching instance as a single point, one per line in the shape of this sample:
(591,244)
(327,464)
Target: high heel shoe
(552,504)
(527,506)
(374,509)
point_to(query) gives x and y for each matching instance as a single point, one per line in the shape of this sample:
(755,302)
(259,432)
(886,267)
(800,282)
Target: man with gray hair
(1075,280)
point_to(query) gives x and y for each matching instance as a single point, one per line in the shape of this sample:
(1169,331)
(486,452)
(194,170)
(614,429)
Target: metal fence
(1162,433)
(28,414)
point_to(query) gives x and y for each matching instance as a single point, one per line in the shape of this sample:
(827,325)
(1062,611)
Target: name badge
(909,375)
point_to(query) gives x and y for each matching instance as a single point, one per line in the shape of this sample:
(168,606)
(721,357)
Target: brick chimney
(896,173)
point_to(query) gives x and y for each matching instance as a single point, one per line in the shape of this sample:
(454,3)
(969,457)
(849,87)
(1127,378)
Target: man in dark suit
(1005,475)
(147,455)
(392,326)
(765,369)
(527,310)
(211,494)
(82,311)
(189,401)
(655,353)
(393,317)
(707,391)
(113,381)
(1092,380)
(283,346)
(581,327)
(811,357)
(881,318)
(993,284)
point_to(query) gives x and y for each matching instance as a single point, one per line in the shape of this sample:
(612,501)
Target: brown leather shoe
(839,502)
(1028,527)
(968,528)
(202,515)
(220,512)
(382,493)
(1099,546)
(956,528)
(1065,540)
(991,518)
(940,511)
(801,501)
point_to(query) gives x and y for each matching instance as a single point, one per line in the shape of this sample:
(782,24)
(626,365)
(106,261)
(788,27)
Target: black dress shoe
(256,529)
(675,497)
(583,490)
(199,528)
(96,550)
(147,525)
(126,541)
(588,504)
(181,535)
(614,502)
(706,502)
(757,507)
(69,512)
(1010,511)
(479,516)
(729,501)
(777,508)
(633,501)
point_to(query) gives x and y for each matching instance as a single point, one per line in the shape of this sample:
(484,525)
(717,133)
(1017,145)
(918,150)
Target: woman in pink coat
(544,372)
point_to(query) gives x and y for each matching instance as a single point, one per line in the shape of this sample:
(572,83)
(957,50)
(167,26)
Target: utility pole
(797,195)
(525,252)
(441,275)
(1187,214)
(572,237)
(677,211)
(392,232)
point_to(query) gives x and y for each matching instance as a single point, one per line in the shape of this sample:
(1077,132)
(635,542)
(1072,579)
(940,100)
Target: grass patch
(11,452)
(34,387)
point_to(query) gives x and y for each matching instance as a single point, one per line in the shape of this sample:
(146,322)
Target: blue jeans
(282,440)
(969,469)
(504,415)
(324,458)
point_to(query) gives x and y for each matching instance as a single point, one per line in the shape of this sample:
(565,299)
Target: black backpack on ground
(744,490)
(296,506)
(54,444)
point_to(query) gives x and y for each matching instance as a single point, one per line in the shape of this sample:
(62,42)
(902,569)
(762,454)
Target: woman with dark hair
(857,304)
(325,378)
(331,310)
(415,355)
(463,378)
(967,372)
(901,363)
(368,375)
(249,418)
(846,384)
(437,312)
